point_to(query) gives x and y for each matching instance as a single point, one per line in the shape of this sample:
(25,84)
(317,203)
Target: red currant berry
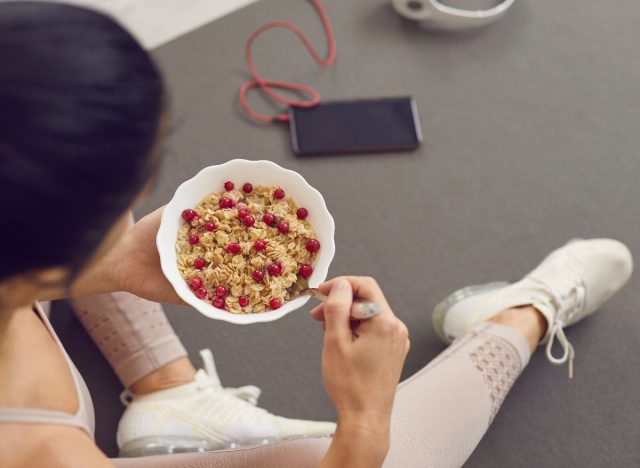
(278,194)
(275,303)
(201,293)
(313,245)
(258,276)
(306,270)
(302,213)
(193,239)
(283,227)
(269,219)
(221,291)
(225,202)
(228,186)
(232,202)
(242,213)
(243,301)
(260,245)
(234,248)
(247,188)
(188,215)
(195,283)
(248,220)
(218,303)
(199,263)
(275,269)
(210,227)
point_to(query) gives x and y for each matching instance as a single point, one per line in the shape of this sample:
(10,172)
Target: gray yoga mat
(531,139)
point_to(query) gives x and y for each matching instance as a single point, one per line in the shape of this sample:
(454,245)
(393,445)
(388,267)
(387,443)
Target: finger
(363,287)
(337,310)
(388,326)
(318,312)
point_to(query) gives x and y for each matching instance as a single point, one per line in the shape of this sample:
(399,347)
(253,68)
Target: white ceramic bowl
(211,179)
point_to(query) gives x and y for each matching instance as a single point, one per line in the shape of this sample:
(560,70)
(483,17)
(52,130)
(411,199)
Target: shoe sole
(440,311)
(167,445)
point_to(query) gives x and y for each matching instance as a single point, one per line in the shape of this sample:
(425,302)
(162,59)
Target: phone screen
(362,126)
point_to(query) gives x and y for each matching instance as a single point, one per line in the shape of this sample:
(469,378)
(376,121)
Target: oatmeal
(247,249)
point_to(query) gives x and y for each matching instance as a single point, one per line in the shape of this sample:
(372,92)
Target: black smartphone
(362,126)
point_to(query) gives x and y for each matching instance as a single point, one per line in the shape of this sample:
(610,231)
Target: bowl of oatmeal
(240,240)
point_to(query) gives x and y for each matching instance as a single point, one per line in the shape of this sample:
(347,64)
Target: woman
(81,107)
(93,99)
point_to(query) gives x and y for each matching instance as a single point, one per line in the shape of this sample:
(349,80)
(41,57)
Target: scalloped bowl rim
(171,220)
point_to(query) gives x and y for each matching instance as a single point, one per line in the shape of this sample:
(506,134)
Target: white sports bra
(84,417)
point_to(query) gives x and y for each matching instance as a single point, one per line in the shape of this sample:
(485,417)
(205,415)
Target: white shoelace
(568,301)
(248,393)
(558,332)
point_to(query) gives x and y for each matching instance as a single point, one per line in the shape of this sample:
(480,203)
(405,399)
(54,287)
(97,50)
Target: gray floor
(531,138)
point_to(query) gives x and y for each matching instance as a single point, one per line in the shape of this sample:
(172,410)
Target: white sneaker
(569,285)
(203,416)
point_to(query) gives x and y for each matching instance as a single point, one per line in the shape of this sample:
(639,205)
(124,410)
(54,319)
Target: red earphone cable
(268,85)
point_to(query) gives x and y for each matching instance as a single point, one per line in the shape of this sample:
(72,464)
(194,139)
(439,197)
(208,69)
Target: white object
(211,179)
(569,285)
(435,15)
(203,416)
(155,22)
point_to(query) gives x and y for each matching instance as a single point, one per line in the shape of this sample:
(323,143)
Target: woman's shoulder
(51,446)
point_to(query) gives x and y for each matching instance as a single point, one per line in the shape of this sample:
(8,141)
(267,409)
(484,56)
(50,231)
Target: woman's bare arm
(361,366)
(132,265)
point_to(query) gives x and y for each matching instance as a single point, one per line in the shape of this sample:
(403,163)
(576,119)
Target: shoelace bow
(567,302)
(248,393)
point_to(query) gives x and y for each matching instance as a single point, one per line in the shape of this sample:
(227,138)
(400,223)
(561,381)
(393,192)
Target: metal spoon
(360,309)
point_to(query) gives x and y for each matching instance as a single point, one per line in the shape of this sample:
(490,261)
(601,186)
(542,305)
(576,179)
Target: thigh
(300,453)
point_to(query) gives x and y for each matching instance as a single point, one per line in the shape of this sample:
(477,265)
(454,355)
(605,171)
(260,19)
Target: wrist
(375,423)
(368,431)
(356,447)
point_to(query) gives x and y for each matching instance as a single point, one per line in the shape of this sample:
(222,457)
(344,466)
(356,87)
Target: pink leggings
(132,333)
(439,416)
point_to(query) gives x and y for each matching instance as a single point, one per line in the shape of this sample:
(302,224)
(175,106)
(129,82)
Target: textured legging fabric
(439,415)
(132,333)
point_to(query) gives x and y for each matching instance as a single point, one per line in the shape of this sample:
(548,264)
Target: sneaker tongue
(559,273)
(203,380)
(210,367)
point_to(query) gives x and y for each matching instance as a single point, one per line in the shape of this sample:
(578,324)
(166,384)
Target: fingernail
(342,285)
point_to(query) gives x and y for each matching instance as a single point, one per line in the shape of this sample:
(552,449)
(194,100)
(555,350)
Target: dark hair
(80,109)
